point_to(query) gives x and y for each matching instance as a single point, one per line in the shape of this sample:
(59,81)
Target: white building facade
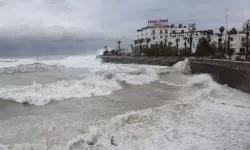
(158,32)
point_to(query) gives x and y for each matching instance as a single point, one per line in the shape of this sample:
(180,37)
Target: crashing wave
(103,83)
(41,94)
(183,66)
(25,68)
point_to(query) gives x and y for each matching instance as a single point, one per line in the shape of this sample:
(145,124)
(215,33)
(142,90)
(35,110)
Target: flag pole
(226,31)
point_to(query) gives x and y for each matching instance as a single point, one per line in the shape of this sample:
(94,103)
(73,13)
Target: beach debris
(113,141)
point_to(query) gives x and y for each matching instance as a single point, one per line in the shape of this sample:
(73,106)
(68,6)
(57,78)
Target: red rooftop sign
(158,22)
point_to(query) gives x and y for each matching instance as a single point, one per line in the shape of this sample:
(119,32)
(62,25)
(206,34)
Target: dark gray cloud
(70,26)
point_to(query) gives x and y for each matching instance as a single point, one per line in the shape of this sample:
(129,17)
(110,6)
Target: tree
(210,32)
(185,42)
(132,49)
(170,44)
(147,41)
(219,42)
(141,41)
(246,31)
(209,38)
(165,42)
(177,44)
(119,45)
(191,29)
(113,52)
(135,42)
(204,48)
(190,41)
(230,51)
(221,29)
(233,31)
(106,52)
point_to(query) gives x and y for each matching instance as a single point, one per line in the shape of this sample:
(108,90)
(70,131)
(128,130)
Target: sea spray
(183,66)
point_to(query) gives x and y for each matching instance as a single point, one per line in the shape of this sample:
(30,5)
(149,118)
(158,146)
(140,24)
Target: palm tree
(177,44)
(119,45)
(246,29)
(219,41)
(132,48)
(233,31)
(230,50)
(165,42)
(209,38)
(191,29)
(170,44)
(141,41)
(106,52)
(185,43)
(135,42)
(221,29)
(148,41)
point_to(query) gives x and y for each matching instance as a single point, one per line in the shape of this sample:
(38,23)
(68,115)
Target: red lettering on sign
(157,21)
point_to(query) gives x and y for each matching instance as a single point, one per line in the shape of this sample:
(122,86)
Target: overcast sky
(38,27)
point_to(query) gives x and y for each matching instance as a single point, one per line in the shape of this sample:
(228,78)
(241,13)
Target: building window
(160,36)
(153,32)
(160,31)
(166,36)
(166,31)
(153,37)
(172,25)
(174,31)
(182,31)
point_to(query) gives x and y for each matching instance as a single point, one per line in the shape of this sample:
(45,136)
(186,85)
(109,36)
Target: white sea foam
(174,126)
(102,83)
(8,63)
(170,83)
(42,94)
(183,66)
(185,124)
(203,82)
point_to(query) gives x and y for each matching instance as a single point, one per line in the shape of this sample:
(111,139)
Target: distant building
(162,30)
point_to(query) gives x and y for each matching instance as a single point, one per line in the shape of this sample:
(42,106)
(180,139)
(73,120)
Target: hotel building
(159,30)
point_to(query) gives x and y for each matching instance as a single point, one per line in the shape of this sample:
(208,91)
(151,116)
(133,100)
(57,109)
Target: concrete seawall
(162,61)
(234,74)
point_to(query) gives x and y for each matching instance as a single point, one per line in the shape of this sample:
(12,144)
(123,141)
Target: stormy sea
(78,103)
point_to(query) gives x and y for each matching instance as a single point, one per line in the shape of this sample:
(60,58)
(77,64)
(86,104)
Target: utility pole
(226,15)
